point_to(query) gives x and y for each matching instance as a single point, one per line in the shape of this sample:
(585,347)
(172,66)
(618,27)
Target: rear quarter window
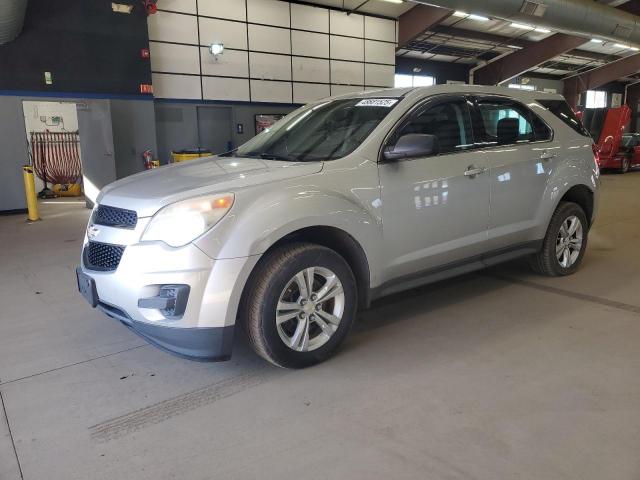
(562,111)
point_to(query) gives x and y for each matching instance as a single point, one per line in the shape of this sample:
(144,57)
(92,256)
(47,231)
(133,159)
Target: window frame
(478,122)
(417,109)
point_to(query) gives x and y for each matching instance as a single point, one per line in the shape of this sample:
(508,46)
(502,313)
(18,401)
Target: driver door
(435,209)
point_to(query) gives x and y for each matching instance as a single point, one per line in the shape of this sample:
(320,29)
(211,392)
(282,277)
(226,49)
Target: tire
(547,261)
(625,163)
(282,275)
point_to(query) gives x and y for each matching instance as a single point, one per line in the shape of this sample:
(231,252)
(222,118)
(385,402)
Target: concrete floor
(496,375)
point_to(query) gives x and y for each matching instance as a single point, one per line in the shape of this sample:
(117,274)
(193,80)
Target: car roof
(419,92)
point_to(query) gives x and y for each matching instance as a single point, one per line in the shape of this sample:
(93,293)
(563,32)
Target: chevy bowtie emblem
(93,231)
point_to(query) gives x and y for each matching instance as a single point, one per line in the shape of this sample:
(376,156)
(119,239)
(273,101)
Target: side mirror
(412,145)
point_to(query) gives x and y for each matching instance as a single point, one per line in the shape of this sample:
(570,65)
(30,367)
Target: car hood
(151,190)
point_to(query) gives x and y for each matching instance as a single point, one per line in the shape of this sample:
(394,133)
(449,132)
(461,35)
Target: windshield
(326,131)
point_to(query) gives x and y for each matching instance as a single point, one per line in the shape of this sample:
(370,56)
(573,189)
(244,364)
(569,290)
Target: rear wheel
(565,242)
(300,304)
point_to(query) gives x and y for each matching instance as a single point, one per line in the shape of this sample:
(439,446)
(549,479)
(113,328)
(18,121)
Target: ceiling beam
(521,61)
(418,20)
(597,77)
(517,42)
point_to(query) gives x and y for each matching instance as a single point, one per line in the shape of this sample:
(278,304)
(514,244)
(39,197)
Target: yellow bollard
(30,191)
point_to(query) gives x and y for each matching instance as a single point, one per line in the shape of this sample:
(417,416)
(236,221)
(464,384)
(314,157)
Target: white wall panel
(186,6)
(310,44)
(342,89)
(310,70)
(231,9)
(176,86)
(269,39)
(269,12)
(350,73)
(173,27)
(231,34)
(380,29)
(379,52)
(343,24)
(215,88)
(265,91)
(380,75)
(292,51)
(306,17)
(269,66)
(169,57)
(347,48)
(308,92)
(232,63)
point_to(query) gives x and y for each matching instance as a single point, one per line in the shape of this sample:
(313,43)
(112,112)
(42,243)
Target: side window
(541,130)
(449,122)
(508,123)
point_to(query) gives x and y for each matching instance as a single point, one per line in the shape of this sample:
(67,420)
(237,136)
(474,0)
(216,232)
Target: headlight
(182,222)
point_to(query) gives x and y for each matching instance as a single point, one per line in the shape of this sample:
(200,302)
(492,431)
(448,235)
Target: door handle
(548,155)
(472,171)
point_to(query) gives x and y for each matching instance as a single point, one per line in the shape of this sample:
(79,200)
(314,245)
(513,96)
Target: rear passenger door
(519,149)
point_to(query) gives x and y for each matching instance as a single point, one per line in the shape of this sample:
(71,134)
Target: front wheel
(565,242)
(299,305)
(625,163)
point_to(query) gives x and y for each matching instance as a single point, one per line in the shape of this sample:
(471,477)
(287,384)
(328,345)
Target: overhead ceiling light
(635,49)
(541,30)
(521,26)
(621,45)
(597,40)
(459,13)
(393,1)
(478,18)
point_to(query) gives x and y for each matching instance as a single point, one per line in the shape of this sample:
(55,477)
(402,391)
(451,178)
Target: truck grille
(102,256)
(115,217)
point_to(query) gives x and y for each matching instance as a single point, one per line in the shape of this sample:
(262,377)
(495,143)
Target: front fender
(263,215)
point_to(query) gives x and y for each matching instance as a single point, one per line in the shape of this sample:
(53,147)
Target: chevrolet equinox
(341,202)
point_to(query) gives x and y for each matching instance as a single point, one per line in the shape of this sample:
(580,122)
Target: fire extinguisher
(147,158)
(150,6)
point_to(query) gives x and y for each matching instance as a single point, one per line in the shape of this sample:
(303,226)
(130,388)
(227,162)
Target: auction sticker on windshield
(377,102)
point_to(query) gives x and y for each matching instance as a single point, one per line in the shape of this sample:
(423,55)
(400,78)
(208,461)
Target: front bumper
(204,331)
(207,344)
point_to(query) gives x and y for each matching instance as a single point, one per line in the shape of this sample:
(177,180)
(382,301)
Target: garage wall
(134,131)
(275,51)
(177,123)
(84,44)
(13,155)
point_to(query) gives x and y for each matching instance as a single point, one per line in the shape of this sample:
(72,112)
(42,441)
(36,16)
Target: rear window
(562,110)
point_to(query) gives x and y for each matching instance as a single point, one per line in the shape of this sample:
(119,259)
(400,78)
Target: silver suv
(343,201)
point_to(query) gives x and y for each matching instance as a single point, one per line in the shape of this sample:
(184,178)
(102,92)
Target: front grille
(115,217)
(102,256)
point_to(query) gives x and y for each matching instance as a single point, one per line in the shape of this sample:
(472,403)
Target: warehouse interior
(499,373)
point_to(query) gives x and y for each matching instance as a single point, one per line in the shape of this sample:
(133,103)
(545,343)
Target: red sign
(146,88)
(144,53)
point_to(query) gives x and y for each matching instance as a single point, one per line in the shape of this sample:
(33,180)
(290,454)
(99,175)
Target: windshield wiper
(268,156)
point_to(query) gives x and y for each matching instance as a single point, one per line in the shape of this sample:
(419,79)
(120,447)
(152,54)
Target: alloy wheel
(310,309)
(569,241)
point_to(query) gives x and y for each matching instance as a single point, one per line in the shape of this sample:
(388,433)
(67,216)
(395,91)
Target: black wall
(83,43)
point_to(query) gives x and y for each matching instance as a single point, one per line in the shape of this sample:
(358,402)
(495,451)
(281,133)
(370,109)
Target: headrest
(508,131)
